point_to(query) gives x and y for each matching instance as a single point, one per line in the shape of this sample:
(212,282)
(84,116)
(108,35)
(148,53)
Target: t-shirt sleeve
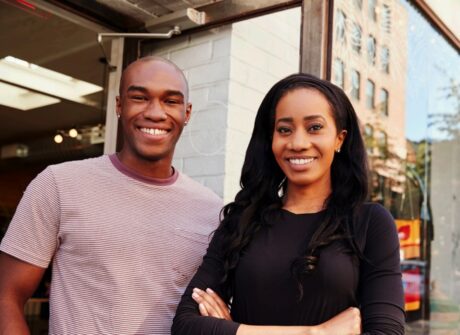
(32,233)
(188,320)
(380,289)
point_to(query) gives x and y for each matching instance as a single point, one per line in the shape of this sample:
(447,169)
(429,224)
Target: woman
(299,248)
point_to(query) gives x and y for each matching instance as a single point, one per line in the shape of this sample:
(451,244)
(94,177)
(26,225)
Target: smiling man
(124,233)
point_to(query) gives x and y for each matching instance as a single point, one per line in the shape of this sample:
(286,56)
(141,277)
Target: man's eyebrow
(136,88)
(174,92)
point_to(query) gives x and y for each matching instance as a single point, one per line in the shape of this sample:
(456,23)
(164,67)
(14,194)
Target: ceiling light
(20,98)
(58,138)
(19,72)
(73,133)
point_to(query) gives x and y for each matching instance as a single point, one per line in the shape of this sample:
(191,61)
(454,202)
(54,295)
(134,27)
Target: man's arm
(18,281)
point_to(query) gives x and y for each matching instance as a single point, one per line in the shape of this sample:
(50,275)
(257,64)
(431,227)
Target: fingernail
(195,296)
(200,306)
(209,290)
(196,289)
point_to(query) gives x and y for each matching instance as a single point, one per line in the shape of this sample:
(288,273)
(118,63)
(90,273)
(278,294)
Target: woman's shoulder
(373,220)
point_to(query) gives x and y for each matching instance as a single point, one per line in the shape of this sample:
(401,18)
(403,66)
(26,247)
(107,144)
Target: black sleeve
(188,320)
(380,288)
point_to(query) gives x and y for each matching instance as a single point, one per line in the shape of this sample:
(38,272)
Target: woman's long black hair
(262,179)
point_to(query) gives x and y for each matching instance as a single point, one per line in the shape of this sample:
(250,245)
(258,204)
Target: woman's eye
(283,130)
(138,98)
(315,127)
(172,102)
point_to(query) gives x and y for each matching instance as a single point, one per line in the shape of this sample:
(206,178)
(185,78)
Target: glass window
(411,127)
(371,49)
(356,33)
(340,27)
(385,59)
(358,4)
(339,73)
(383,102)
(386,18)
(370,93)
(372,9)
(355,84)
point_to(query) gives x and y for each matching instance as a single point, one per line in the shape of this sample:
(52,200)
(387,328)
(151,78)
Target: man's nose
(155,111)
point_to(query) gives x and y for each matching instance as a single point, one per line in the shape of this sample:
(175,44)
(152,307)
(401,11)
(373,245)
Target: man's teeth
(153,131)
(300,161)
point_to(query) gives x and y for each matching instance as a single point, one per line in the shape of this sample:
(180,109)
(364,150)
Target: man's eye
(172,101)
(138,98)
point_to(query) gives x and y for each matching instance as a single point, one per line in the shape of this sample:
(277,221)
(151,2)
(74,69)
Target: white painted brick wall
(229,70)
(263,50)
(205,60)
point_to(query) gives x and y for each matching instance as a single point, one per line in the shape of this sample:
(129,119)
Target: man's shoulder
(198,190)
(79,166)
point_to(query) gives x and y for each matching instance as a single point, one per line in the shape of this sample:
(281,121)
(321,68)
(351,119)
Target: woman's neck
(305,200)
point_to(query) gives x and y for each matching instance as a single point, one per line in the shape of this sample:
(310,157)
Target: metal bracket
(174,31)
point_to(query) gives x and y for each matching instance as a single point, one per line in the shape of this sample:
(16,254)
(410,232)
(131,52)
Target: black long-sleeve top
(266,293)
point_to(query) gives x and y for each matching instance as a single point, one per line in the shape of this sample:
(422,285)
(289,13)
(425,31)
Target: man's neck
(160,169)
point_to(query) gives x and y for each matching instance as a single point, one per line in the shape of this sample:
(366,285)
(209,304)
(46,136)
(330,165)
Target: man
(124,232)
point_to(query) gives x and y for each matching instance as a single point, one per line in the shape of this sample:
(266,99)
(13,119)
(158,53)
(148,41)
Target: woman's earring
(337,150)
(118,115)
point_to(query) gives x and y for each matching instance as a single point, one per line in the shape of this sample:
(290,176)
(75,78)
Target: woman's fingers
(210,304)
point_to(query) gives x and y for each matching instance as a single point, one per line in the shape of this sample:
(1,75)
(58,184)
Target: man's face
(153,109)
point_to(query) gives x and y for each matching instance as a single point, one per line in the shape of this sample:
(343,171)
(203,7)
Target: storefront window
(413,144)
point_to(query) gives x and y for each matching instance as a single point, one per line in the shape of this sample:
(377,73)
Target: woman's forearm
(277,330)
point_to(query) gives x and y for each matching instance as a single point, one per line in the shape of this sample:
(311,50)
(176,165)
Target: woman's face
(305,138)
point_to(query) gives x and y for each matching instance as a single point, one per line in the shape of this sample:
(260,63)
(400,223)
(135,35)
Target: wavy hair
(262,181)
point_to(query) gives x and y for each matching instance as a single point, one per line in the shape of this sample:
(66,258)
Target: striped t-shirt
(123,247)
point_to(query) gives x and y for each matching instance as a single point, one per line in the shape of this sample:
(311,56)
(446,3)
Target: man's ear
(188,112)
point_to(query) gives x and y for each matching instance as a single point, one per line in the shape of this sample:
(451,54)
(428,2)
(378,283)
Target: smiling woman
(299,251)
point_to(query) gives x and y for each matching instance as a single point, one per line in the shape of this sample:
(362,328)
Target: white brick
(221,47)
(212,116)
(203,143)
(231,187)
(198,98)
(248,53)
(244,96)
(209,73)
(237,141)
(219,92)
(178,163)
(215,183)
(204,165)
(192,56)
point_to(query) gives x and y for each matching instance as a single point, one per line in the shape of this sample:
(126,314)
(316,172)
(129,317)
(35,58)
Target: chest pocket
(189,248)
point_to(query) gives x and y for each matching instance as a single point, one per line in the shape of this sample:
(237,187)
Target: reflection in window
(372,9)
(381,143)
(355,84)
(340,27)
(383,103)
(358,3)
(356,37)
(371,49)
(339,73)
(369,138)
(386,18)
(385,59)
(370,93)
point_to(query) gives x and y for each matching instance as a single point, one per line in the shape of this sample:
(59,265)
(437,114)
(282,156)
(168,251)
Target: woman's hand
(346,323)
(210,304)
